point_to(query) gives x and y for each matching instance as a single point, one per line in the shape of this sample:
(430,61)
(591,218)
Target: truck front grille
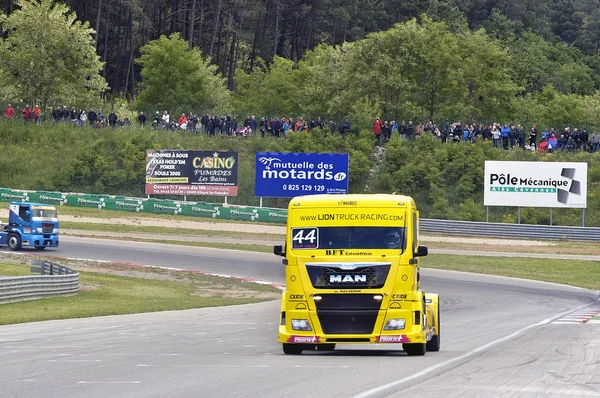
(47,228)
(347,313)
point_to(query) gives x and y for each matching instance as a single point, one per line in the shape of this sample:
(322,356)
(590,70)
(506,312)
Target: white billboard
(535,184)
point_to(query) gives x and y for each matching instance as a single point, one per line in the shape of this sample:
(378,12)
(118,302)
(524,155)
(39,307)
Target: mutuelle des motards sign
(173,172)
(535,184)
(288,174)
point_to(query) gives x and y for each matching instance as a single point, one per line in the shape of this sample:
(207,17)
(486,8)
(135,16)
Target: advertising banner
(535,184)
(173,172)
(288,174)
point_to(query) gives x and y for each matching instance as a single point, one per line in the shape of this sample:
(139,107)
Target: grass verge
(120,228)
(120,289)
(579,273)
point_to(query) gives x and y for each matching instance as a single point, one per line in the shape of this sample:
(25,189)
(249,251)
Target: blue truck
(30,224)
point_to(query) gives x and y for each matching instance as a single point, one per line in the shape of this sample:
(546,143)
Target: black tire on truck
(414,349)
(292,349)
(325,347)
(14,241)
(434,343)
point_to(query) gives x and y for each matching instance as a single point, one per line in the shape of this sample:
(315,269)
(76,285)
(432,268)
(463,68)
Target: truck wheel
(434,343)
(40,247)
(325,347)
(14,241)
(292,349)
(414,349)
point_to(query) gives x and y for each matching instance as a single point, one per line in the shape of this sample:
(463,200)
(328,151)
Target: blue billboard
(289,174)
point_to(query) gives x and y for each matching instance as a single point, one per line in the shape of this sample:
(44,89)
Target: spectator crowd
(503,136)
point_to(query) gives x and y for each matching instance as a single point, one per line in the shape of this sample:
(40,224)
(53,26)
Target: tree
(48,56)
(178,79)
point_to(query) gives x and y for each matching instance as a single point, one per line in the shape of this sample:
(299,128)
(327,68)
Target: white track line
(478,350)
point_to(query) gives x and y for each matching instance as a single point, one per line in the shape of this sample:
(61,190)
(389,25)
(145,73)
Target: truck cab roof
(356,200)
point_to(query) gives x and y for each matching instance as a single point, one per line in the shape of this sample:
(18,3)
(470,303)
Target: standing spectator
(253,123)
(182,121)
(83,117)
(100,118)
(458,131)
(512,136)
(286,127)
(56,115)
(64,115)
(505,131)
(410,131)
(594,141)
(332,127)
(403,129)
(377,129)
(386,131)
(520,136)
(394,128)
(585,137)
(141,119)
(533,136)
(74,116)
(26,114)
(496,136)
(166,119)
(112,119)
(92,117)
(9,112)
(37,114)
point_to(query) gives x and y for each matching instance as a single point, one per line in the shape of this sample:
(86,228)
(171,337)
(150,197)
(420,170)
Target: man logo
(347,279)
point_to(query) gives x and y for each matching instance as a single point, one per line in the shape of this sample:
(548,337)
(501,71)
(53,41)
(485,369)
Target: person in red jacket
(26,114)
(377,129)
(9,112)
(182,121)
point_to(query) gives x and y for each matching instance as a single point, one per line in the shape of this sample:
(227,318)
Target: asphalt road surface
(499,339)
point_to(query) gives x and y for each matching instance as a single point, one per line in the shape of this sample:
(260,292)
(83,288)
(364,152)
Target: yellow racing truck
(352,275)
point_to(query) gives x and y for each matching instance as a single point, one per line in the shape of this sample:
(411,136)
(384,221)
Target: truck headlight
(395,324)
(301,324)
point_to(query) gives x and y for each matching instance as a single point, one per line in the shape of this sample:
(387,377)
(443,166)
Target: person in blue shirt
(504,131)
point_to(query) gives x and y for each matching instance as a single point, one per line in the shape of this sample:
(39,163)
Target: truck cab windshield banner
(285,175)
(535,184)
(173,172)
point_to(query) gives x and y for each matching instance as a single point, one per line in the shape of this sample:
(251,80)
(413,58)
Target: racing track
(497,340)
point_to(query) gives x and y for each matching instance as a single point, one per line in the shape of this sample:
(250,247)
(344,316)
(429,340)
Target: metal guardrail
(512,231)
(54,280)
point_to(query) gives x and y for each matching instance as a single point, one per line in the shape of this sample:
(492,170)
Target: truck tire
(434,343)
(414,349)
(325,347)
(14,241)
(292,349)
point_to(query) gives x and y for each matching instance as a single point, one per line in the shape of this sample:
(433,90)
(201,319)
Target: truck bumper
(395,337)
(411,333)
(41,240)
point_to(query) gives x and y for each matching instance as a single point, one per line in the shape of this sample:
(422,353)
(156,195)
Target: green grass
(214,245)
(107,294)
(572,272)
(85,226)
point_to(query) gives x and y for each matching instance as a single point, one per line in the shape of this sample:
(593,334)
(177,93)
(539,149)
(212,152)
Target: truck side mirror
(278,250)
(421,251)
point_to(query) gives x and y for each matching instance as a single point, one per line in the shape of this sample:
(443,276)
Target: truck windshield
(45,213)
(348,238)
